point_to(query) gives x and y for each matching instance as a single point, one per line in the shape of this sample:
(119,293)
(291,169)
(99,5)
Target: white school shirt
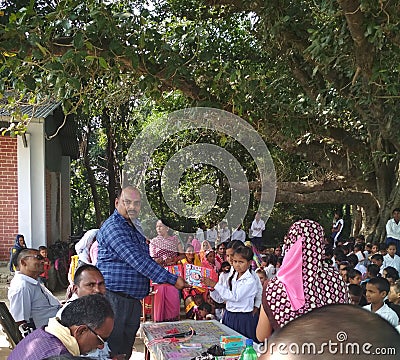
(386,312)
(239,235)
(393,229)
(257,228)
(224,235)
(212,235)
(241,298)
(223,281)
(270,271)
(391,261)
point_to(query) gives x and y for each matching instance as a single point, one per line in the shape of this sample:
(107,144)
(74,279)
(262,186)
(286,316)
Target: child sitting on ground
(390,274)
(377,289)
(262,275)
(44,276)
(356,295)
(393,300)
(270,270)
(354,276)
(391,259)
(377,259)
(205,312)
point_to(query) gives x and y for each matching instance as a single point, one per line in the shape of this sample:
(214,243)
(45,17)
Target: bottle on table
(248,353)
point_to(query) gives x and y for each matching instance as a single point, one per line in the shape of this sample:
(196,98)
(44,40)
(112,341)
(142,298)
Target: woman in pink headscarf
(303,282)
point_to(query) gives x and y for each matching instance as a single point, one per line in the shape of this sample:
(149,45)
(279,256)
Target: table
(208,333)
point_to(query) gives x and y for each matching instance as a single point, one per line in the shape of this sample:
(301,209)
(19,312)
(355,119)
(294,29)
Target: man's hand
(208,282)
(181,283)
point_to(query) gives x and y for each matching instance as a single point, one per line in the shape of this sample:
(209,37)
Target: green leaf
(78,40)
(135,61)
(103,63)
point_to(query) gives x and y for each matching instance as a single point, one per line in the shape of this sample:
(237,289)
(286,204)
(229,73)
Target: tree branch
(355,22)
(364,199)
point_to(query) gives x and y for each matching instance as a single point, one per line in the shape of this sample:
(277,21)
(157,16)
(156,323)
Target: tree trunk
(91,177)
(112,184)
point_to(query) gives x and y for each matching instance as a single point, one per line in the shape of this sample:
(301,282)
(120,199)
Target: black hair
(373,270)
(339,255)
(391,272)
(224,264)
(247,254)
(280,260)
(90,310)
(352,259)
(24,253)
(234,244)
(340,213)
(352,273)
(382,246)
(391,244)
(381,284)
(359,247)
(378,257)
(42,247)
(219,245)
(272,260)
(188,246)
(396,209)
(81,269)
(355,290)
(205,306)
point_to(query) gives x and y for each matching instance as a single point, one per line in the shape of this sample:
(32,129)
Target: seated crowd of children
(370,270)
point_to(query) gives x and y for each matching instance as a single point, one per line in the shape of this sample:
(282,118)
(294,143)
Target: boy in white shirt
(391,259)
(377,290)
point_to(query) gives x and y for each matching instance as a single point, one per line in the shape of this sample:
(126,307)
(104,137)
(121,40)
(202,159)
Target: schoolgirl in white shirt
(239,294)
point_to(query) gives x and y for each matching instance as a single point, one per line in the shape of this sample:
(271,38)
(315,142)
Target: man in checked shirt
(127,267)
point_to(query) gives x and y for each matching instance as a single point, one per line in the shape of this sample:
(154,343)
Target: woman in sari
(166,250)
(19,244)
(205,245)
(303,282)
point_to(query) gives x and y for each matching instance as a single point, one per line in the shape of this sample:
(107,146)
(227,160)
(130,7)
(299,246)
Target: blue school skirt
(243,323)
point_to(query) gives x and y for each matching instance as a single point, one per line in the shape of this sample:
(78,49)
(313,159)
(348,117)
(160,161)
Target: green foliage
(319,81)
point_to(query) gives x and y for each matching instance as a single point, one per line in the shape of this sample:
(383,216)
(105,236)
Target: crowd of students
(370,272)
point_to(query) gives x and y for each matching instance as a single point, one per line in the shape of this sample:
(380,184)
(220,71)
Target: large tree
(317,79)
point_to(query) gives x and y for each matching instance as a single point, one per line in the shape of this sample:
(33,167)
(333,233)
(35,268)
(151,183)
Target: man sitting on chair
(28,297)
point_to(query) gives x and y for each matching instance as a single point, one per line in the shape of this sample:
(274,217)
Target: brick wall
(8,195)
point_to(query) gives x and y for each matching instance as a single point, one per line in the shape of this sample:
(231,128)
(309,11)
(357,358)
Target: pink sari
(166,299)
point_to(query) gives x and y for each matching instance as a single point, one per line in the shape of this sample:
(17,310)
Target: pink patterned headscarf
(303,282)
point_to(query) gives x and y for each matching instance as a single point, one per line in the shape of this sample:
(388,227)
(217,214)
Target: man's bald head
(335,332)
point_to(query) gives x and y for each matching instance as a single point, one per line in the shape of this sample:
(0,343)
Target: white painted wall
(31,175)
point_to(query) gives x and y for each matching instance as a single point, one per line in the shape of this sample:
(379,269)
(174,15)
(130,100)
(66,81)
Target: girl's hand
(208,282)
